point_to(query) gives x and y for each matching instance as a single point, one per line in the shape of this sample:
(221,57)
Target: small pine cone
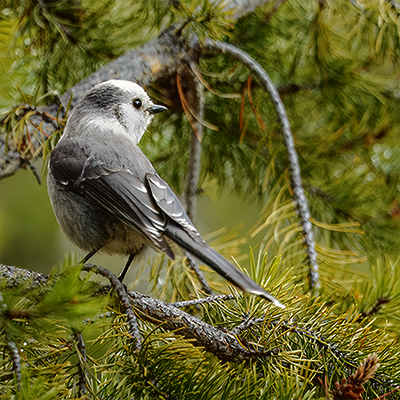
(351,388)
(366,370)
(347,391)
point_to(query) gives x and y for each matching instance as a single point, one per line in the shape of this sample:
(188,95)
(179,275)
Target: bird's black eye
(137,103)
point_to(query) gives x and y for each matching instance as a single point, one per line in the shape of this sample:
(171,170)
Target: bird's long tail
(213,259)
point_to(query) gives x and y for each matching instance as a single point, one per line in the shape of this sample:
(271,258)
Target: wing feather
(115,190)
(169,203)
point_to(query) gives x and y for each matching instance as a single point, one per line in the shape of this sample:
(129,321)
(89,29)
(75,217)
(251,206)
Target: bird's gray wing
(114,189)
(169,203)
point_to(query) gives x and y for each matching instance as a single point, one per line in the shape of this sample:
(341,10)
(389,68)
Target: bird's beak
(156,109)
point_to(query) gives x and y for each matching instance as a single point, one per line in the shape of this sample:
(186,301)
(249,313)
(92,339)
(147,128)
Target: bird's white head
(118,102)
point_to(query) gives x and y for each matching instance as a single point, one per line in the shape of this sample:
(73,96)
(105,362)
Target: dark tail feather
(213,259)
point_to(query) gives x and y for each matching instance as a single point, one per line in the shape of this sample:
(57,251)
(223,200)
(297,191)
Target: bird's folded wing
(169,203)
(116,191)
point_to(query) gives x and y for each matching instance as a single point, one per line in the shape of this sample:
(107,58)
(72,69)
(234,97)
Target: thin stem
(16,361)
(82,361)
(205,300)
(121,291)
(14,352)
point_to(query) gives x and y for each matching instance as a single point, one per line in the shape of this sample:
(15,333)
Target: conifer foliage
(299,111)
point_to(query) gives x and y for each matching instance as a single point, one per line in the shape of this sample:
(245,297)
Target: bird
(106,195)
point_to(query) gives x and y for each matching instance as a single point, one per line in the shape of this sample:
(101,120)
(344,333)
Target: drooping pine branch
(295,176)
(16,362)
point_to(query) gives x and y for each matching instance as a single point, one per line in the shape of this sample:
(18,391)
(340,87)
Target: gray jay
(107,196)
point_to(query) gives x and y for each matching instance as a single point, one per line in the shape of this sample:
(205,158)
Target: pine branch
(246,324)
(222,344)
(30,280)
(143,65)
(270,339)
(295,176)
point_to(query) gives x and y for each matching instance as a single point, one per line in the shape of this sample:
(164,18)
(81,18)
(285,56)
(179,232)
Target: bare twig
(16,361)
(294,167)
(82,361)
(377,306)
(35,174)
(205,300)
(246,324)
(121,291)
(93,320)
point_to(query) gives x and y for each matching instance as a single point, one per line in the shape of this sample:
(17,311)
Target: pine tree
(258,92)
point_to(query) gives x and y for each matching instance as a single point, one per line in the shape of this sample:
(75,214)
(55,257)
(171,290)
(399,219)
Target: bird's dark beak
(156,109)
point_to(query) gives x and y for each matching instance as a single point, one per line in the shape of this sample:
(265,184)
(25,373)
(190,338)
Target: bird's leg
(88,256)
(127,265)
